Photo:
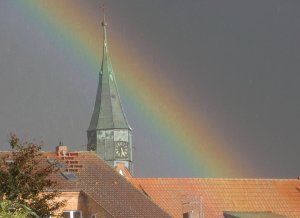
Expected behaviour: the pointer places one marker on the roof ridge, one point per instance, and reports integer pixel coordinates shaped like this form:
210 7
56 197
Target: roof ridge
50 151
227 179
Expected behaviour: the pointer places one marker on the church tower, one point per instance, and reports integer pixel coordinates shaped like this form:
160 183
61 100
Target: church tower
109 133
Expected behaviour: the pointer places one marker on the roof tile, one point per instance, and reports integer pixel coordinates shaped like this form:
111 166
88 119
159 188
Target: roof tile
279 196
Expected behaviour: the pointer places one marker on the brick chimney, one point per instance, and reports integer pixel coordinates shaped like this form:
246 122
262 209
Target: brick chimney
192 206
61 150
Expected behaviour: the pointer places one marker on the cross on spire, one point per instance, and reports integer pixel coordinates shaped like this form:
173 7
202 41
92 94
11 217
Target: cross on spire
103 11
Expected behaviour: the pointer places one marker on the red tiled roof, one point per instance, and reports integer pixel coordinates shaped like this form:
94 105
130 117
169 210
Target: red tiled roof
103 184
280 196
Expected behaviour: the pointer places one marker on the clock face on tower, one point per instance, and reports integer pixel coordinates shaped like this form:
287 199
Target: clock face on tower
121 149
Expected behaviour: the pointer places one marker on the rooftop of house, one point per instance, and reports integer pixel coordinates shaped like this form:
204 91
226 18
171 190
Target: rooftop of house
122 195
212 197
85 171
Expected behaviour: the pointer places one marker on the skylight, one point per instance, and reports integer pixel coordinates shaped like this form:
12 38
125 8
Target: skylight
56 163
69 175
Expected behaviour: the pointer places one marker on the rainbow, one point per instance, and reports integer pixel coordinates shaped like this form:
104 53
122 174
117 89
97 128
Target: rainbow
73 24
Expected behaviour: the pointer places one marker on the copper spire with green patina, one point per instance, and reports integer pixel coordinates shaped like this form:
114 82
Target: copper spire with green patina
108 112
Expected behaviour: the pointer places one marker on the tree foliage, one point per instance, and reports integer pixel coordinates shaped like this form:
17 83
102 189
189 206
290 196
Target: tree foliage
10 209
25 178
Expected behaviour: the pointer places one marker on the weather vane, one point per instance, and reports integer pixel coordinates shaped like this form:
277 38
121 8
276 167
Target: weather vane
103 11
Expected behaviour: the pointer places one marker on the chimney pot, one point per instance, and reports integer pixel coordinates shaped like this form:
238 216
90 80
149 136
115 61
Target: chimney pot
61 150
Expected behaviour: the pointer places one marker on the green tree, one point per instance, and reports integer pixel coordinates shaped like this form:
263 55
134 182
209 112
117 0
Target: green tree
25 178
10 209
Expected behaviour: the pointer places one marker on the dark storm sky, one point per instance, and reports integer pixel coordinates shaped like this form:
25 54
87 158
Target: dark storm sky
237 62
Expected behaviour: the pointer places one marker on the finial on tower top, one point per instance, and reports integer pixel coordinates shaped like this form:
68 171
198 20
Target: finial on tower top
103 11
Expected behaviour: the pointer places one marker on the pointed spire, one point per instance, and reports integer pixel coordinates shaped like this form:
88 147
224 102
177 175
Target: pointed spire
108 111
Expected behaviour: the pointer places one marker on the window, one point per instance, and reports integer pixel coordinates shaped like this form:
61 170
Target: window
9 161
94 216
72 214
